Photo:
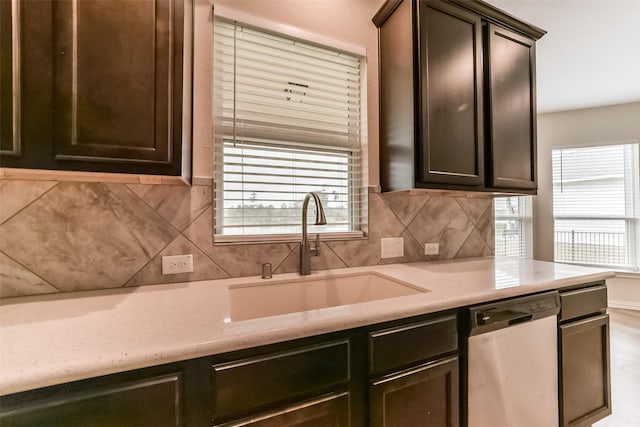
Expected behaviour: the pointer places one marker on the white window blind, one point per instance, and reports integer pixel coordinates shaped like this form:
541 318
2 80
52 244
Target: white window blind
287 117
513 226
595 204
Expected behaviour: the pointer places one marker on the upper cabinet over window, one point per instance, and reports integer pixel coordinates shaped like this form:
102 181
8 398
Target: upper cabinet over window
457 97
95 85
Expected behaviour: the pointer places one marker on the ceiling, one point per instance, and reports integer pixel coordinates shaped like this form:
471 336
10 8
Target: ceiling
590 55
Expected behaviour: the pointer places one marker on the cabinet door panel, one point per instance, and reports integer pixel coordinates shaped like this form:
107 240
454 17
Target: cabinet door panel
151 402
9 98
511 71
426 396
585 378
329 411
451 95
276 377
115 73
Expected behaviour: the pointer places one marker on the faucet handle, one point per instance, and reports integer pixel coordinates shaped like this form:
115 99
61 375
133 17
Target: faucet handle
316 250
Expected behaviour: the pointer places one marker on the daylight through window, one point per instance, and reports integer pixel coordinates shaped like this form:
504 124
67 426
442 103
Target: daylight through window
287 117
596 205
513 226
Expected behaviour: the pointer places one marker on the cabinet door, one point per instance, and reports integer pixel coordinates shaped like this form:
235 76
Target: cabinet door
9 99
585 395
328 411
426 396
512 109
451 126
100 85
155 401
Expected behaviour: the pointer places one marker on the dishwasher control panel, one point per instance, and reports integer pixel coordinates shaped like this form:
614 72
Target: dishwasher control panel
504 313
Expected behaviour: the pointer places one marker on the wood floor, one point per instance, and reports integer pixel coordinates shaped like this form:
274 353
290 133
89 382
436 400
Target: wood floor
625 369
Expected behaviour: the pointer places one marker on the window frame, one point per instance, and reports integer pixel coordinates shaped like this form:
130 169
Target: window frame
358 192
525 225
632 222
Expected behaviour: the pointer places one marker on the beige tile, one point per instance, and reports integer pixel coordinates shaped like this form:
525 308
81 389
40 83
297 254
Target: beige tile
474 246
442 221
475 207
15 280
413 251
382 223
327 260
16 194
180 205
203 267
238 260
405 204
486 227
85 235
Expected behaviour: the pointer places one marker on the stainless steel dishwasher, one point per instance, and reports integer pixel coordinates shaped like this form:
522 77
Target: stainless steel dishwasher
513 363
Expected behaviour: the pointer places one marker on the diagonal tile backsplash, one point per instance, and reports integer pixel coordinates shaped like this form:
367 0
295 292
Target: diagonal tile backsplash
70 236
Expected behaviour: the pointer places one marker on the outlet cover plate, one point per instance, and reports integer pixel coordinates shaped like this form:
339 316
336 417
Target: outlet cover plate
392 247
177 264
431 248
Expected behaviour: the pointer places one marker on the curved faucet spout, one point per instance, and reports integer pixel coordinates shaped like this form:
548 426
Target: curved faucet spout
306 252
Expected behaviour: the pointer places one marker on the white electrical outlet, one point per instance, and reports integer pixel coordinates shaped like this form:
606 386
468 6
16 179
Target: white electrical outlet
392 247
431 248
177 264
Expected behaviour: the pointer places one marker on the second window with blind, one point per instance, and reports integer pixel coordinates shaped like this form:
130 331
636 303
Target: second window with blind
287 121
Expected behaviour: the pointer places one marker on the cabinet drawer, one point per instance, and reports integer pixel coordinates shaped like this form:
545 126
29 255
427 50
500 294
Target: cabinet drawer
327 411
155 401
402 345
258 381
582 302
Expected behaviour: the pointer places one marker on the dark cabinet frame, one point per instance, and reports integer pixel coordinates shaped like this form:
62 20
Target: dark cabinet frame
63 116
584 356
414 149
445 408
511 129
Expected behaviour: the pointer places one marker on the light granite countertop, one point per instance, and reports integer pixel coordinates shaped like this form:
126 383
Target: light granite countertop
52 339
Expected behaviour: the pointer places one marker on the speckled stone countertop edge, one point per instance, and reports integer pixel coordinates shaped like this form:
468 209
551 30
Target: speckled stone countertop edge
53 339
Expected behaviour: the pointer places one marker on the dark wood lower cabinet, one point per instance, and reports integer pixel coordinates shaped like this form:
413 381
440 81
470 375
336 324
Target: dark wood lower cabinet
155 401
348 378
585 371
326 411
424 396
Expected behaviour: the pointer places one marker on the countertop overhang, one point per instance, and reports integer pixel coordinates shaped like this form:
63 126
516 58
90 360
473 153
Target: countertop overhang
53 339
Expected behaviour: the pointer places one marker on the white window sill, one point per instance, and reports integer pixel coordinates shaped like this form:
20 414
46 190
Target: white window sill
219 239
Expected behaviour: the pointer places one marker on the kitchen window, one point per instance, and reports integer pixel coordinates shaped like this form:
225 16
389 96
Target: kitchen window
513 226
596 197
287 119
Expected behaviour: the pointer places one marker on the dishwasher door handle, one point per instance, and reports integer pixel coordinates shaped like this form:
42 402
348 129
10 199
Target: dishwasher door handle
519 319
503 317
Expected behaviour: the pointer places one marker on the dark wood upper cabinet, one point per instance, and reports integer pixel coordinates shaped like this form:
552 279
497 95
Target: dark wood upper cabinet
457 97
101 85
9 101
511 109
450 72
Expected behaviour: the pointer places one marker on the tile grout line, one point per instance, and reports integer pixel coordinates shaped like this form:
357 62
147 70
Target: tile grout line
32 272
30 203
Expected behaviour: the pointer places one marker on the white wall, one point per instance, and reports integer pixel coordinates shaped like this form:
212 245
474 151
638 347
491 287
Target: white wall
346 20
573 128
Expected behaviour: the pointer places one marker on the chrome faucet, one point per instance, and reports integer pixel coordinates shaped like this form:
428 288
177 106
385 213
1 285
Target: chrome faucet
306 251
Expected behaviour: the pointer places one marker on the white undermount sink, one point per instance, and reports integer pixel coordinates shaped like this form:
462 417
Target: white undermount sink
273 297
